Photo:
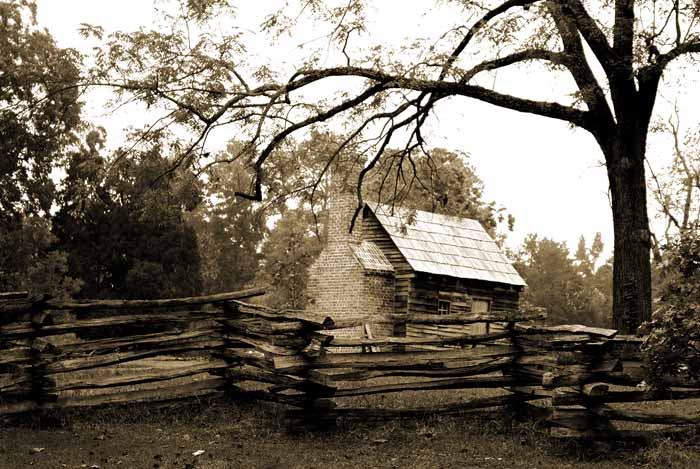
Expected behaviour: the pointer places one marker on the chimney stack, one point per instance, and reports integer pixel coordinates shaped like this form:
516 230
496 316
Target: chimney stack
342 205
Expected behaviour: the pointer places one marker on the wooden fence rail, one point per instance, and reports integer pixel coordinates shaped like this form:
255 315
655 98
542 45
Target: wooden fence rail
63 354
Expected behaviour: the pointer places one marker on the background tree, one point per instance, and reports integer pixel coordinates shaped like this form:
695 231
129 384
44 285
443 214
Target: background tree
208 81
676 189
572 291
39 118
287 254
122 223
671 346
229 231
441 182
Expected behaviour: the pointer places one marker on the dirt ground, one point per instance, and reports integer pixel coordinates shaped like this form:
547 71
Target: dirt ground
218 433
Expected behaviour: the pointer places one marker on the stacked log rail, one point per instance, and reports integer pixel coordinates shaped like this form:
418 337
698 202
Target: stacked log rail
570 376
66 354
454 362
585 372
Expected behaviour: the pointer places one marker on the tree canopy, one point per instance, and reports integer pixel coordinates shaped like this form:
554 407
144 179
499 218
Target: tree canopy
40 116
613 54
572 290
122 223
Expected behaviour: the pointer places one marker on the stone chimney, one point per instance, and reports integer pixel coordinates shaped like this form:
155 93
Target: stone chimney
341 208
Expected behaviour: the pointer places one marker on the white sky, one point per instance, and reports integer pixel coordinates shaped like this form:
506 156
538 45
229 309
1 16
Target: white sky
548 176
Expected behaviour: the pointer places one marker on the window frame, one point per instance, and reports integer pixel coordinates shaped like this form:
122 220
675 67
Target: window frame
440 310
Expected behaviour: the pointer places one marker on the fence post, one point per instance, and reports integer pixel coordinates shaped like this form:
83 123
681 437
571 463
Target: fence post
572 391
229 311
515 407
43 388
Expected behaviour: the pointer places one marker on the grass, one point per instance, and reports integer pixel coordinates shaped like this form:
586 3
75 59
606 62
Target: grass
252 434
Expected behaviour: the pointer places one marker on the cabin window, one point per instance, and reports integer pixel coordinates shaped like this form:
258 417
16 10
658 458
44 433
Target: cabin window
443 307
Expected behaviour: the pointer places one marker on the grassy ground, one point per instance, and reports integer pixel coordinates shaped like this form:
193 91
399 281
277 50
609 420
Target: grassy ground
247 434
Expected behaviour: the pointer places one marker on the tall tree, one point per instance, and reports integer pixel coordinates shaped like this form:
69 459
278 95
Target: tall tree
229 231
676 189
208 81
571 290
121 220
287 254
39 118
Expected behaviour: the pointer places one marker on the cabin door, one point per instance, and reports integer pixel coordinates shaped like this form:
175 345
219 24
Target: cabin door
480 307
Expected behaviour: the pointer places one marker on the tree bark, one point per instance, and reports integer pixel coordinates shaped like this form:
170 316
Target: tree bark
631 265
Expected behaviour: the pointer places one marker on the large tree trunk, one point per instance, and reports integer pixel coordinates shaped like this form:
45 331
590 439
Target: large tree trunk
631 265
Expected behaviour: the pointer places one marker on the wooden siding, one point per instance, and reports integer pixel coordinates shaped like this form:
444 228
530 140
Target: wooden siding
373 231
418 292
427 289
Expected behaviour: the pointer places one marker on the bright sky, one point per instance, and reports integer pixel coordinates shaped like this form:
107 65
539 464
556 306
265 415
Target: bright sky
548 176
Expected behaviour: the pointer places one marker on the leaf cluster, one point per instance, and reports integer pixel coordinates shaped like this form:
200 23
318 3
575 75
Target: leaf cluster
672 346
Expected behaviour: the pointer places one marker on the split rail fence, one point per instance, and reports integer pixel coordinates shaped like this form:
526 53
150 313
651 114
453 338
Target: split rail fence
65 354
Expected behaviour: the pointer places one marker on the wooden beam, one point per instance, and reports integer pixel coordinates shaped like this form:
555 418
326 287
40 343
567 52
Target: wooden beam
135 304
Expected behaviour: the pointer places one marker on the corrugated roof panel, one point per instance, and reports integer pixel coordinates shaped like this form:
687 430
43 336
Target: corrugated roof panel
372 258
446 245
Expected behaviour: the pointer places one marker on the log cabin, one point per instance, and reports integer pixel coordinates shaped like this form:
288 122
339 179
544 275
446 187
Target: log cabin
408 262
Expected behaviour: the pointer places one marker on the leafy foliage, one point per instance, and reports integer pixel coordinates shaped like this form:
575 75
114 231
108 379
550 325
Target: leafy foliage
229 231
27 261
672 346
287 255
39 111
121 222
39 118
572 291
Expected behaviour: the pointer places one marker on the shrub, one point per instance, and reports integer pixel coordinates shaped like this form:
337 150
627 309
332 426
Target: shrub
673 343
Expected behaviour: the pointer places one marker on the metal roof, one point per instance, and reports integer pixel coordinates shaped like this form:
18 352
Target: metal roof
372 258
445 245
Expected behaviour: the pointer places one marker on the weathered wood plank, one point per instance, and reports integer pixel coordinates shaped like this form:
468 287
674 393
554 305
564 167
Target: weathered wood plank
385 360
568 328
567 398
448 409
15 331
643 417
450 383
135 304
155 340
144 376
462 339
13 295
85 363
333 376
